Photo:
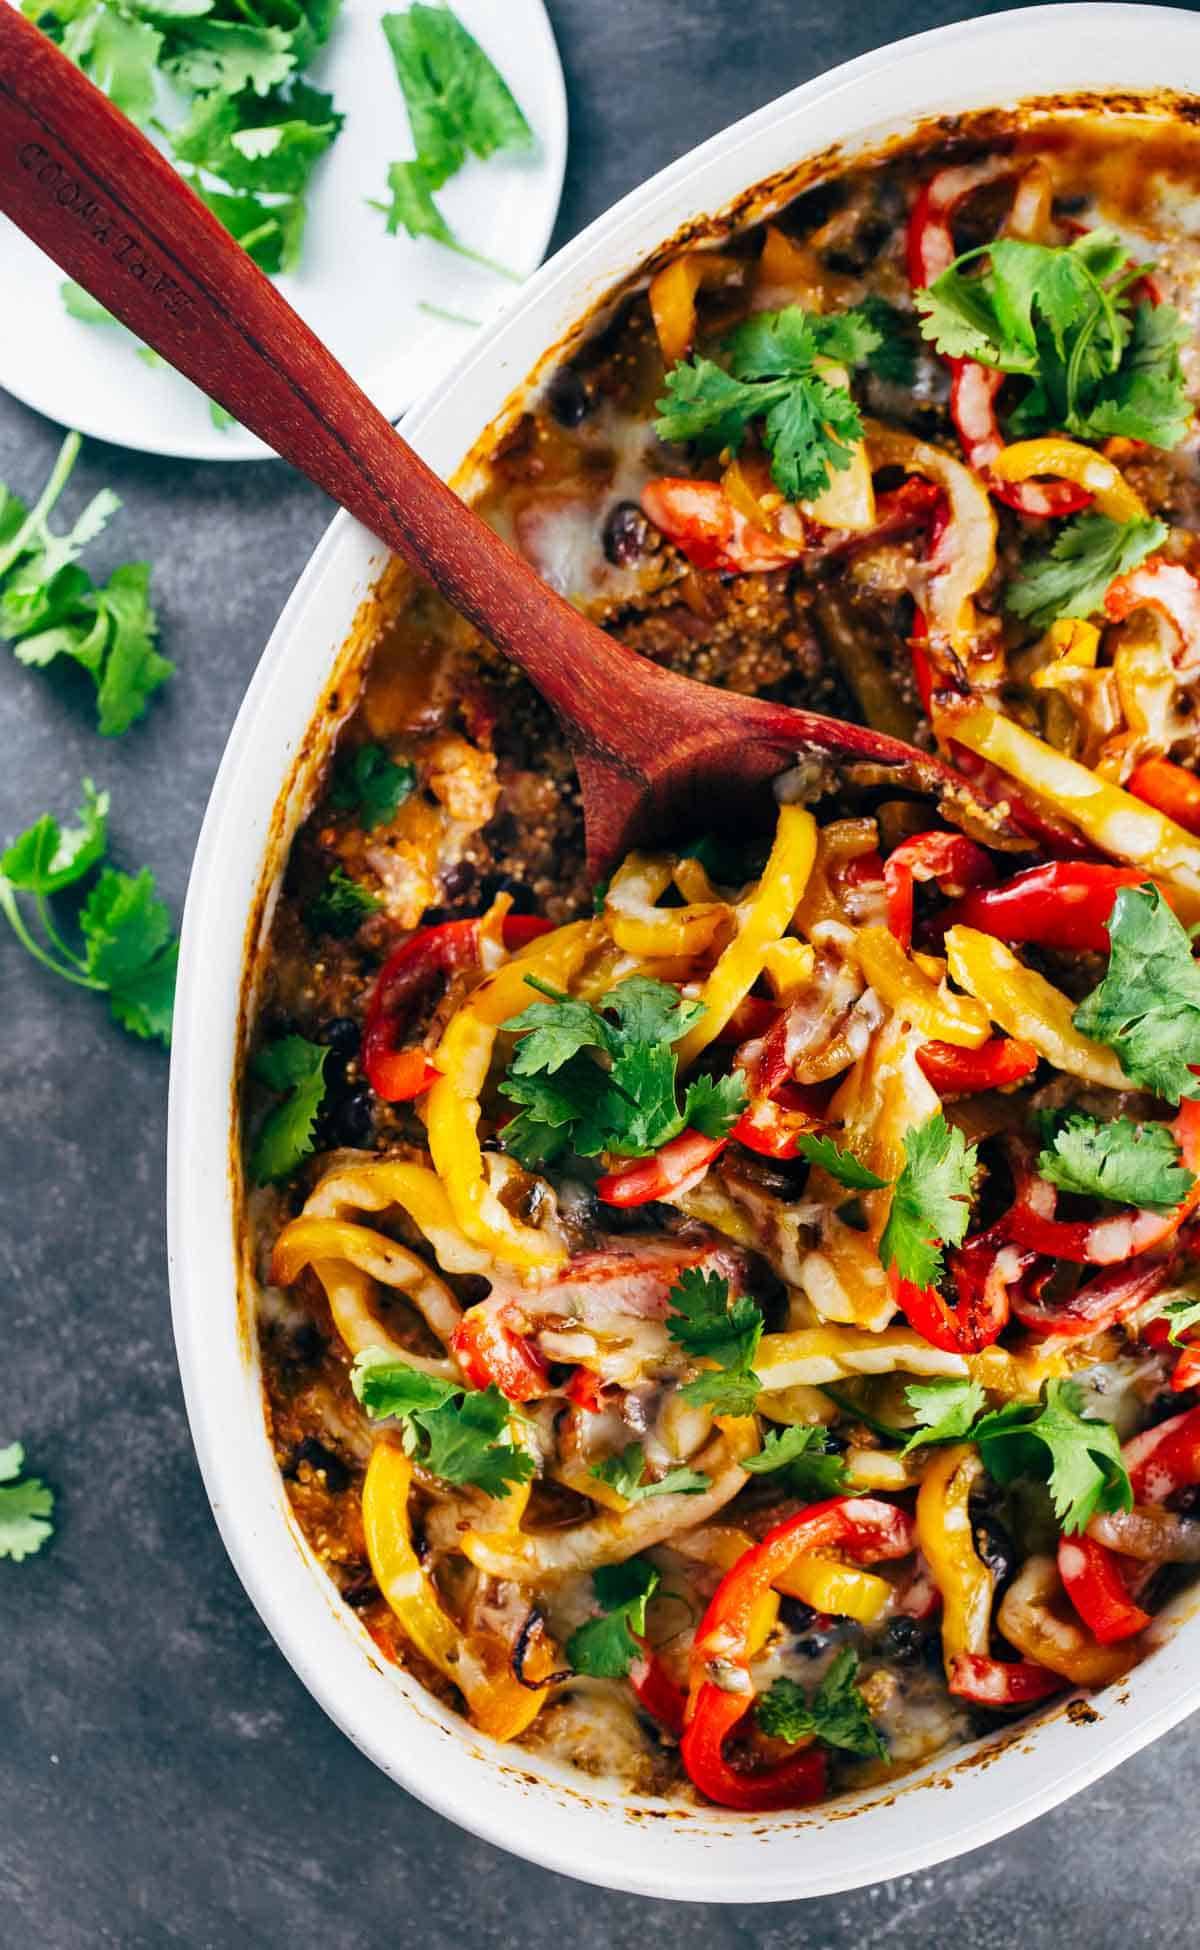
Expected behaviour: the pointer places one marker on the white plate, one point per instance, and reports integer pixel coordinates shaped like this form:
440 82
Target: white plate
358 288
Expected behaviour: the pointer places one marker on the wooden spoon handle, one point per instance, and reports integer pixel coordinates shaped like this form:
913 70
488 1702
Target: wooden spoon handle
99 199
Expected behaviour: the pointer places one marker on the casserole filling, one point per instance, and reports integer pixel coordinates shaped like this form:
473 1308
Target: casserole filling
732 1327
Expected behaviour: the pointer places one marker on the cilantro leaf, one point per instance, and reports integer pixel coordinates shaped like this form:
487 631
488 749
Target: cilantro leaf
294 1066
458 102
629 1107
262 144
1072 577
836 1713
1147 1008
26 1506
47 857
1078 1456
49 606
1059 315
452 1431
840 1164
810 424
708 1327
129 950
945 1410
623 1473
605 1647
203 54
80 304
1182 1314
373 785
894 355
271 233
931 1201
812 1468
714 1104
1132 1164
413 209
341 906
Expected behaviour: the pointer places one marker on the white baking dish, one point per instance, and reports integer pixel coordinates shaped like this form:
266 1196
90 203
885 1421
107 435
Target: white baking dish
513 1799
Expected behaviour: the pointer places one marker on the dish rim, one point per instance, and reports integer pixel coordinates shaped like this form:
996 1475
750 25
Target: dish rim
628 1843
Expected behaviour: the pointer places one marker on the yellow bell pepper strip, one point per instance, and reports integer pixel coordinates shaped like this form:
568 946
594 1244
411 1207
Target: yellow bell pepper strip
902 987
1037 1617
762 919
816 1355
641 928
788 967
498 1704
373 1186
673 292
947 1543
464 1057
1113 820
1029 1007
309 1242
1067 460
722 1689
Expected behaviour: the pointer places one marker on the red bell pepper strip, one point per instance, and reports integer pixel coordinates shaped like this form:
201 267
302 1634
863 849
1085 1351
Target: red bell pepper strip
583 1389
1053 836
898 511
1173 790
407 977
676 1168
702 521
657 1692
1030 1221
954 861
999 1682
1091 1576
982 1275
1101 1302
973 388
1061 904
956 1072
773 1125
922 669
867 1529
488 1351
1164 1459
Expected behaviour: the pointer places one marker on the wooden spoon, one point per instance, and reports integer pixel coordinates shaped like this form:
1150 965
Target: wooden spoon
657 754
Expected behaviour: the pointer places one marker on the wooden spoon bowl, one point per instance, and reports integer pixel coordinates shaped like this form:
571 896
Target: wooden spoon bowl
657 754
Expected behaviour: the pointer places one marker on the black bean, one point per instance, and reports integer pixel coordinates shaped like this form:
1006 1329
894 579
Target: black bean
904 1641
994 1545
627 534
458 879
341 1033
320 1460
348 1120
796 1615
568 398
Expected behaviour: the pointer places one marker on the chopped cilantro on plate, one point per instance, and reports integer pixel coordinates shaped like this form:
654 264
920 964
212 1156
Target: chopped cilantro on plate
26 1507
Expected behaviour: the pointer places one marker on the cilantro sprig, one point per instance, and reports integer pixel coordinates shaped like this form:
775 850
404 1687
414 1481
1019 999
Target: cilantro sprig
128 951
945 1410
26 1507
295 1069
931 1202
625 1471
605 1647
459 105
1064 318
777 376
1077 1456
452 1431
592 1080
802 1455
253 131
1072 576
1128 1163
1147 1008
836 1712
840 1164
51 608
711 1327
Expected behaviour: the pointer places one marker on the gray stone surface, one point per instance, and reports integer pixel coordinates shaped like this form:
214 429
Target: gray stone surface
164 1778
